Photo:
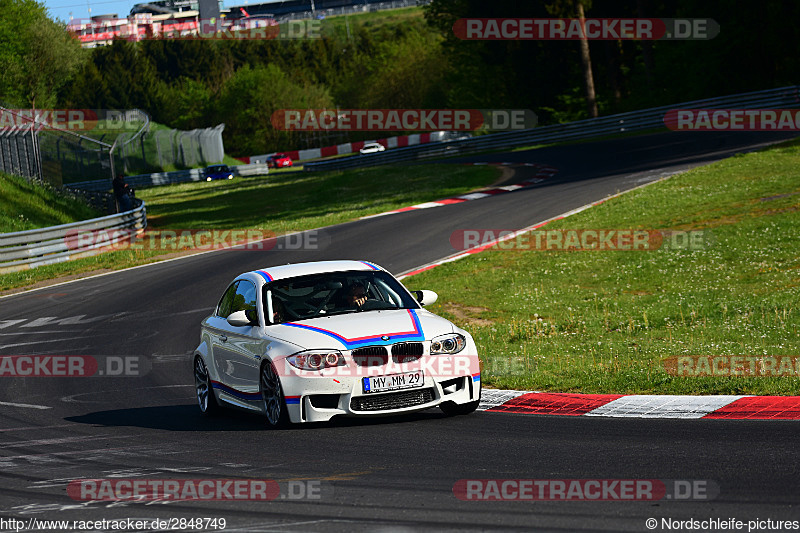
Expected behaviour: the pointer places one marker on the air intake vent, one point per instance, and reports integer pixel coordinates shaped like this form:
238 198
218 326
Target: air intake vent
370 356
395 400
407 352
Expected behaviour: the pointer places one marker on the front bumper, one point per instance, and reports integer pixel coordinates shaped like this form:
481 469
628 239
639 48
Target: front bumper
339 391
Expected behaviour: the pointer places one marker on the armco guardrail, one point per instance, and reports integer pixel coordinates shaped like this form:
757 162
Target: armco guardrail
169 178
33 248
579 130
254 169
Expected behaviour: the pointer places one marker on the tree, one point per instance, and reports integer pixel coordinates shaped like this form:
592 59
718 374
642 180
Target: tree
37 55
586 63
249 99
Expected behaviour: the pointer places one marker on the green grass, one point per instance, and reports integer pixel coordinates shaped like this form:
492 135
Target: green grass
285 202
338 23
279 203
603 321
24 206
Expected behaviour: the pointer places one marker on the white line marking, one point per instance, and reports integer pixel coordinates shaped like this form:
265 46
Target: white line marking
35 427
47 442
4 346
494 397
26 405
47 332
474 196
662 406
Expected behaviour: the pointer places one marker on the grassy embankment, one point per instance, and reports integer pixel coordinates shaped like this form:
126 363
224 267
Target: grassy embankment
603 321
25 206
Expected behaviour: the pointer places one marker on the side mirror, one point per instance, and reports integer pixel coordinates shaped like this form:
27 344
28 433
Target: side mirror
426 297
239 319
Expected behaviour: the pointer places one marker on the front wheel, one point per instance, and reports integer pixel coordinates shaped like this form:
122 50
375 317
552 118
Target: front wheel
205 394
272 395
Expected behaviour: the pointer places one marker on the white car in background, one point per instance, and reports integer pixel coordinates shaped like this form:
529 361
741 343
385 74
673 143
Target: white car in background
309 341
371 148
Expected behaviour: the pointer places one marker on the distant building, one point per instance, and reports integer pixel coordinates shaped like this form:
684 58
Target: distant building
186 18
102 30
160 7
287 8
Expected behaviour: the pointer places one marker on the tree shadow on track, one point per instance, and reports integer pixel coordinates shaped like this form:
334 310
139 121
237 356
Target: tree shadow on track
188 418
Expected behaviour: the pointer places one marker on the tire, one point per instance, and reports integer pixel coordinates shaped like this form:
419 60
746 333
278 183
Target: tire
272 394
203 389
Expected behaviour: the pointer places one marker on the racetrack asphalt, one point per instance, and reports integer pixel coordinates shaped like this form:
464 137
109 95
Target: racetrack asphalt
393 474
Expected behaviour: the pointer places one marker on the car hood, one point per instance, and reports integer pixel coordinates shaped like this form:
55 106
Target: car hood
368 328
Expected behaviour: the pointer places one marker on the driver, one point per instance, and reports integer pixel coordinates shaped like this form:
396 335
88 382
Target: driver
356 294
278 311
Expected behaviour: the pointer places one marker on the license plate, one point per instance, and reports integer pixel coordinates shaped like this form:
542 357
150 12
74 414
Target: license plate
407 380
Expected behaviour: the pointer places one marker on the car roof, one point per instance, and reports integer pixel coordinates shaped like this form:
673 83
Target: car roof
305 269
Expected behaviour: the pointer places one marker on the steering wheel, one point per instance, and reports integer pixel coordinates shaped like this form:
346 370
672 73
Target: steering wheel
374 305
321 306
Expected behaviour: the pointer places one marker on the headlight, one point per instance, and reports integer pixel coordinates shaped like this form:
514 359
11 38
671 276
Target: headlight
316 359
448 344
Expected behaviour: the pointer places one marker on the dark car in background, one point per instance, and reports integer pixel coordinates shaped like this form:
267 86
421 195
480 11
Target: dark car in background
218 172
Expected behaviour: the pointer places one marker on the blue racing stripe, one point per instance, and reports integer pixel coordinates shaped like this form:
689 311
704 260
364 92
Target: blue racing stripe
250 396
264 275
373 267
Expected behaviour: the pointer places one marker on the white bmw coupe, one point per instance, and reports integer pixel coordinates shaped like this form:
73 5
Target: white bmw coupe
309 341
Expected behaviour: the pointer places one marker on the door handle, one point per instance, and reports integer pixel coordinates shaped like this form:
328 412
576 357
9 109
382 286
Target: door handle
223 338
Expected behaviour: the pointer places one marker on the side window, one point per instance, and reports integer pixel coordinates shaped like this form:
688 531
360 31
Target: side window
245 300
224 306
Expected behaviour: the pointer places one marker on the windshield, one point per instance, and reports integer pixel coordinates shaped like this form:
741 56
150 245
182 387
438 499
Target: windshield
335 293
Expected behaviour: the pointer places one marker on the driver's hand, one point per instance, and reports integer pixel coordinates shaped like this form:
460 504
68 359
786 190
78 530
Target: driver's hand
360 301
